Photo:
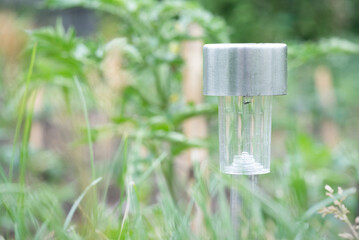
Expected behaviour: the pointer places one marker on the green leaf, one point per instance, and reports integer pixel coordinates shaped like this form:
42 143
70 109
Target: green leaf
176 138
77 202
192 111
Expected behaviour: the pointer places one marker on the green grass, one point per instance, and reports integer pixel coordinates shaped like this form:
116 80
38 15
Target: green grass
71 191
22 110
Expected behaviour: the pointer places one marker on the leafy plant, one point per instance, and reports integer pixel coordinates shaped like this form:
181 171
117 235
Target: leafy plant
144 111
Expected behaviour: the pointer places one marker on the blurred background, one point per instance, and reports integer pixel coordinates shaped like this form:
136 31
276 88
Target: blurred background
105 134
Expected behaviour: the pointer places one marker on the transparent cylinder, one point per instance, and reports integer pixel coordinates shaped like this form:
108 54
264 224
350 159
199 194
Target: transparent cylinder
245 134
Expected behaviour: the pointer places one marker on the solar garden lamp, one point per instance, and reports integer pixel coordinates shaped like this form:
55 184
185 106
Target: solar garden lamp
245 77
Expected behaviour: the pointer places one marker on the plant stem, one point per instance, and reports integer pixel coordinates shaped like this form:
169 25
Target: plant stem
346 220
22 111
161 93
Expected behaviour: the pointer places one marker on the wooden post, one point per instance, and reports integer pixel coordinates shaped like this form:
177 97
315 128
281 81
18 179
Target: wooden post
195 127
326 96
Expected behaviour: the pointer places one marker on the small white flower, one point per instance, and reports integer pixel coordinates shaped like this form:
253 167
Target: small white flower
340 190
328 188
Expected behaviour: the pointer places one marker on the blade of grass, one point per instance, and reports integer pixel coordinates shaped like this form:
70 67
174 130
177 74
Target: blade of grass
273 208
24 155
127 209
89 135
40 234
77 202
3 175
10 188
201 197
94 203
10 211
121 148
25 140
171 212
153 166
21 111
17 234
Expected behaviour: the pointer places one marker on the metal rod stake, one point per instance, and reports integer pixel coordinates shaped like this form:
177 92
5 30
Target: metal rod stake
239 210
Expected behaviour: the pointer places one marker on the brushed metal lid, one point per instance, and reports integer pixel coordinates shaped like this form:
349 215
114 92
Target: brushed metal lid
245 69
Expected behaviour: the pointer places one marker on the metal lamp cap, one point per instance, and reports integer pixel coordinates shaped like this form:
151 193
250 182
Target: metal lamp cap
245 69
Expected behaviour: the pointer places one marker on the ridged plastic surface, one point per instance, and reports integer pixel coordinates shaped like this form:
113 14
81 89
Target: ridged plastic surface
245 134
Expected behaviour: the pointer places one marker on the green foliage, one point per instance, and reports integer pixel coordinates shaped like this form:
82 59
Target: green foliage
146 119
62 53
277 20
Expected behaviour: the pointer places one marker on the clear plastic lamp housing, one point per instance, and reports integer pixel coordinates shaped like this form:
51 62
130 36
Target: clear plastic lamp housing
245 134
245 76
